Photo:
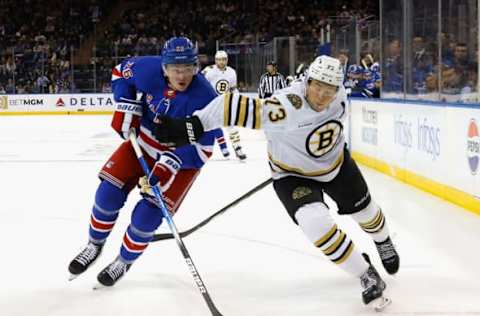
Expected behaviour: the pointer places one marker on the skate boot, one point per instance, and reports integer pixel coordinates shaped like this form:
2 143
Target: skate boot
113 272
389 256
239 153
225 153
373 286
84 259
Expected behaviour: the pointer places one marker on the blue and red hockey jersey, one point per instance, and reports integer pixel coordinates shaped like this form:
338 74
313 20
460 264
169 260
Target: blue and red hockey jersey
144 76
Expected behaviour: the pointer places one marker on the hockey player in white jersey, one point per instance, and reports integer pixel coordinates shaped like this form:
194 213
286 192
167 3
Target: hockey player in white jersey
223 78
304 126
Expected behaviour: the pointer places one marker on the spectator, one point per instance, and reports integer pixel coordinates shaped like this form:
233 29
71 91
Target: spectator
9 87
344 60
393 75
42 83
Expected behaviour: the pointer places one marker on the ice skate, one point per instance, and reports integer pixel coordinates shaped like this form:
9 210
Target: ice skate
388 255
84 260
112 273
374 286
225 153
240 154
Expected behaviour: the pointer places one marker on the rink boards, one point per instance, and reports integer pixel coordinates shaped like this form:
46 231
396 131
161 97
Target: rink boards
433 146
51 104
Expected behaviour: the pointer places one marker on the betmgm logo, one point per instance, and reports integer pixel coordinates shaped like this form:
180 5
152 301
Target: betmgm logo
324 138
3 102
473 146
222 86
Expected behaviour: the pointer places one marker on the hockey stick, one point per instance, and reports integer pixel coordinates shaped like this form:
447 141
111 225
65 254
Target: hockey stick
191 267
158 237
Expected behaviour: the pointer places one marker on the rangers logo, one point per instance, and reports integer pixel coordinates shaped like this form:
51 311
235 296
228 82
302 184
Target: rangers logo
323 139
473 146
295 100
222 86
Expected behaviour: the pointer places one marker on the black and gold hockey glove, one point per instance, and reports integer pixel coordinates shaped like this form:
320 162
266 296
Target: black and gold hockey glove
180 131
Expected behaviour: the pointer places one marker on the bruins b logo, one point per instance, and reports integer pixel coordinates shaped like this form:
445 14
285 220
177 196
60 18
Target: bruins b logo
222 86
322 139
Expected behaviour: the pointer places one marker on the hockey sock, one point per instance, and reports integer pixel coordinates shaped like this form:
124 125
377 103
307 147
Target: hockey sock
318 225
234 137
372 221
220 137
222 143
146 218
109 199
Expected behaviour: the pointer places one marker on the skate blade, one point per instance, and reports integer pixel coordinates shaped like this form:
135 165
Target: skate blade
73 277
380 303
99 287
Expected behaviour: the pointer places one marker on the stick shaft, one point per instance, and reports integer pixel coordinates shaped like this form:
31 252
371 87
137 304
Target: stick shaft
191 266
158 237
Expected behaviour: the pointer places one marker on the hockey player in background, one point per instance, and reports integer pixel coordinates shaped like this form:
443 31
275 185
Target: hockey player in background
303 125
169 85
223 79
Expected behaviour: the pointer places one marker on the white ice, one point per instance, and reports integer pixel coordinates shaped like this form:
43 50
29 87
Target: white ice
253 259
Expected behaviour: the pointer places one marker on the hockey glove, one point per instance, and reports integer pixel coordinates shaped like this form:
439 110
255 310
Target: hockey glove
179 131
164 171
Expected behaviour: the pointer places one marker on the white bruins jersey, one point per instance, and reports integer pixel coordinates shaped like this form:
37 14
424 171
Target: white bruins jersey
301 141
222 81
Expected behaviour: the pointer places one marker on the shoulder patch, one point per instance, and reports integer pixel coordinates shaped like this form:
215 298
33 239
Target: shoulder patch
127 72
295 100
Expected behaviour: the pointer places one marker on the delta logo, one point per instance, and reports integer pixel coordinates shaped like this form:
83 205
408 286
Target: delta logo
60 102
473 146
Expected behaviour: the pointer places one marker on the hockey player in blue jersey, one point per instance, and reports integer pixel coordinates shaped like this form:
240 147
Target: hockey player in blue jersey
364 83
169 85
372 82
355 80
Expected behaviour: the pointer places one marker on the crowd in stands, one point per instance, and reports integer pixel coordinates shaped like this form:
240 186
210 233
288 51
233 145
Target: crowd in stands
457 69
37 53
37 41
144 28
40 40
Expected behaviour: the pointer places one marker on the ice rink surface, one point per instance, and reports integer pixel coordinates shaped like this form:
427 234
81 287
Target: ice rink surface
253 259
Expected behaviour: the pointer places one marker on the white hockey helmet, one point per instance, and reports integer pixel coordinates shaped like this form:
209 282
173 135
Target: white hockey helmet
221 54
326 69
